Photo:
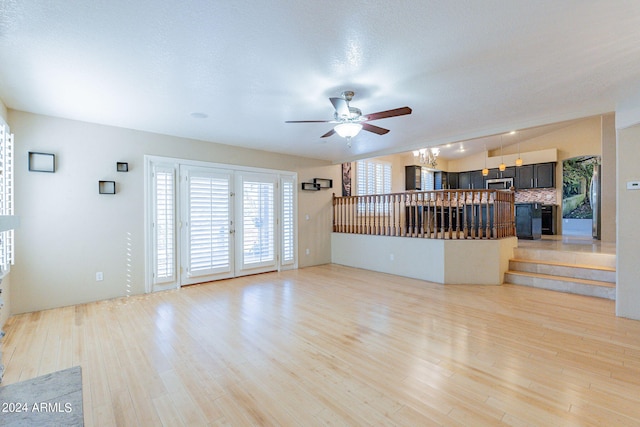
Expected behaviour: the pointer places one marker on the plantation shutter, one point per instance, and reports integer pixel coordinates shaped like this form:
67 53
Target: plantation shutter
6 196
164 216
288 221
258 239
427 179
373 177
208 223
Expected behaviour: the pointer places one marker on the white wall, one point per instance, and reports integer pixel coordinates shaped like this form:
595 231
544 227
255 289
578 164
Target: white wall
404 256
69 232
315 213
478 262
628 231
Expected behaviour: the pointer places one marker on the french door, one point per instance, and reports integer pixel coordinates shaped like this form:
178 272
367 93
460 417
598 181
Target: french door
256 228
207 220
207 223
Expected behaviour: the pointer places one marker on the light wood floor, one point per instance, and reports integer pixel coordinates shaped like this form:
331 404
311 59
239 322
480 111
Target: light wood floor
340 346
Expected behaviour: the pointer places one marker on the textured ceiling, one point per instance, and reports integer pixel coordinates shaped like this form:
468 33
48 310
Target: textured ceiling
466 68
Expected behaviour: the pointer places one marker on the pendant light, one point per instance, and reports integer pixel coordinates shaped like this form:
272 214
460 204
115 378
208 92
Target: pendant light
502 166
519 159
485 171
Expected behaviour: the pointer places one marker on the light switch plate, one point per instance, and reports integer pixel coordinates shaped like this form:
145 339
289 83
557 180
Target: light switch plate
633 185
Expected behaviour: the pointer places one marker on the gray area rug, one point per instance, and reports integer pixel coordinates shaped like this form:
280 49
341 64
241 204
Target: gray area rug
50 400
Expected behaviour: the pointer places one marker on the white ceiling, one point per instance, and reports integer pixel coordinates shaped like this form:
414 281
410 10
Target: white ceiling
467 68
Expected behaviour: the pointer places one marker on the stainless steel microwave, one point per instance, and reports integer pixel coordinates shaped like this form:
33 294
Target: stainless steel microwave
499 184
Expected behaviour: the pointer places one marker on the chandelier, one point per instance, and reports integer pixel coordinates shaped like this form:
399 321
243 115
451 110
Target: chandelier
427 156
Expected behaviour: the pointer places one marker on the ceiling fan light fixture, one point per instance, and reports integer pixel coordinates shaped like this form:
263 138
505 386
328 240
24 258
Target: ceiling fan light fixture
348 130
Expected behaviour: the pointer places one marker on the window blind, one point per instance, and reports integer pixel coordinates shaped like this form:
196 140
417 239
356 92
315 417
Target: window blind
164 224
374 177
288 221
209 209
258 240
6 195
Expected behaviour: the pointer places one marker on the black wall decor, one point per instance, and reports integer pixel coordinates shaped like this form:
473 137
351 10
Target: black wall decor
323 182
122 167
107 187
310 186
346 179
42 162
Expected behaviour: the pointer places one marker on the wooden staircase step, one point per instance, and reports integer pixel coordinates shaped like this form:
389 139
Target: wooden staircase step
594 288
569 257
564 278
565 264
577 272
557 268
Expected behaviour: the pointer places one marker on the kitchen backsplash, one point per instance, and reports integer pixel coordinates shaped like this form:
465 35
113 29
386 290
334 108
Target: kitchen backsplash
546 196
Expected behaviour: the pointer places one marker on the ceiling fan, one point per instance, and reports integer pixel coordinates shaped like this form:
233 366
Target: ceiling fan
350 121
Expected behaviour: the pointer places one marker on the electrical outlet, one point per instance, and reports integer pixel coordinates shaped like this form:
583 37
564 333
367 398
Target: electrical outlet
307 251
99 276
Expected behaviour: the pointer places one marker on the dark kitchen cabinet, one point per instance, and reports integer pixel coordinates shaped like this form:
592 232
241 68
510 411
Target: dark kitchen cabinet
542 175
528 220
464 180
495 173
477 180
470 180
524 177
509 172
545 175
549 213
452 180
445 180
412 175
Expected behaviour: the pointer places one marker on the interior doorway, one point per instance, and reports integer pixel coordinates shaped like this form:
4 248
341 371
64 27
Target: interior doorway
581 197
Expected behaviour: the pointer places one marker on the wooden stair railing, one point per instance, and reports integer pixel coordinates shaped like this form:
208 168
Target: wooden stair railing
438 214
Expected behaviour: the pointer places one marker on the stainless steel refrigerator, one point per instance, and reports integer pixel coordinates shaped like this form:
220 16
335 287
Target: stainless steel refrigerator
595 200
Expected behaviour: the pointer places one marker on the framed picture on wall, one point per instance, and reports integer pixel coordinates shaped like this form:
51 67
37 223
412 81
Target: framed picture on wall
346 179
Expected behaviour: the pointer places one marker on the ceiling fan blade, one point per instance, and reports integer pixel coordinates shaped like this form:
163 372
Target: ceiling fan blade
331 132
308 121
341 106
389 113
374 129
